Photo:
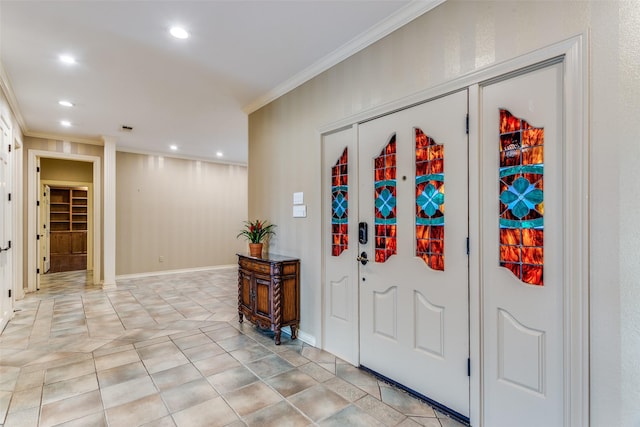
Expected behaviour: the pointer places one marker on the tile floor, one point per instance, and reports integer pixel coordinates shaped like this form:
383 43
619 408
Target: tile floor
169 351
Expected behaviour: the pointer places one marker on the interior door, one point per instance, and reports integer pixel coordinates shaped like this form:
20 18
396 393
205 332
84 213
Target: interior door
413 194
45 232
6 281
521 249
340 230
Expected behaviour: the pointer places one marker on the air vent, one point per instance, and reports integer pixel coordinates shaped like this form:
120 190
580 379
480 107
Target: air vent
126 128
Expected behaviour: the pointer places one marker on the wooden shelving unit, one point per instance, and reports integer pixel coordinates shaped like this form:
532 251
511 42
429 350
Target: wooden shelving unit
68 222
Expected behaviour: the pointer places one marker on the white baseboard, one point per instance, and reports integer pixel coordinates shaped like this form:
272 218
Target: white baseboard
184 270
307 338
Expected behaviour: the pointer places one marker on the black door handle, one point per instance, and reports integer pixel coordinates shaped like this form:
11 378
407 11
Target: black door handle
363 258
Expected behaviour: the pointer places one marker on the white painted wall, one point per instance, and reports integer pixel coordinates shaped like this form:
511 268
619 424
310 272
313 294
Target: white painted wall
457 38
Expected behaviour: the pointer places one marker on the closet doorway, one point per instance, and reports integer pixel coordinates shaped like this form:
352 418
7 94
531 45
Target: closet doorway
65 216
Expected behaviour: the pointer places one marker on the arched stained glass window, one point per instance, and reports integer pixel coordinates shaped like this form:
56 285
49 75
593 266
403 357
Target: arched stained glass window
385 201
429 201
521 198
340 204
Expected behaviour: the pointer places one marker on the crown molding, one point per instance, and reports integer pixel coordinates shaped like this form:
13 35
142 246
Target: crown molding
7 90
398 19
57 137
178 156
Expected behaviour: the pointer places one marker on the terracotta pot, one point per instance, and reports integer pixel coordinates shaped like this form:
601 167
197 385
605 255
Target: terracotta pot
255 249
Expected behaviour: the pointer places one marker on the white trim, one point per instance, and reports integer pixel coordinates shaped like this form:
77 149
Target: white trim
574 52
17 199
177 156
475 296
7 89
478 76
396 20
183 270
32 192
306 338
109 211
61 137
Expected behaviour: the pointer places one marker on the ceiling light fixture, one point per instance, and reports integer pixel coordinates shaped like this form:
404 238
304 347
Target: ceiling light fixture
173 147
179 32
67 59
65 123
65 103
219 153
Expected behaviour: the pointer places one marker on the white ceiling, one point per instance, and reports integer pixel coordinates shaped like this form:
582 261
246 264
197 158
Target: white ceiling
193 93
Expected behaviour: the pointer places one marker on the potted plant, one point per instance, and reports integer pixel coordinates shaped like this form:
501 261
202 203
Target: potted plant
256 232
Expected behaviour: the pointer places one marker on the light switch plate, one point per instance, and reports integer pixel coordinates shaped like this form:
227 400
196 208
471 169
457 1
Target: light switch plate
300 211
298 198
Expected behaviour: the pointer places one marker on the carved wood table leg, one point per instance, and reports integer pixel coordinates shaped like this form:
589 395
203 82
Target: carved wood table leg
277 337
294 332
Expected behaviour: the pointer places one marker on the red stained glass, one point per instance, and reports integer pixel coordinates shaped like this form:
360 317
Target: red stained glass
521 205
339 205
429 159
385 202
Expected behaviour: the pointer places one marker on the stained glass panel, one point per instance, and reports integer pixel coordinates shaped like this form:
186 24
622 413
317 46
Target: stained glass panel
340 205
385 201
521 198
429 201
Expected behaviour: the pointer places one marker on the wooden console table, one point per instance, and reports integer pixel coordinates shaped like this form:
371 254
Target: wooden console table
269 292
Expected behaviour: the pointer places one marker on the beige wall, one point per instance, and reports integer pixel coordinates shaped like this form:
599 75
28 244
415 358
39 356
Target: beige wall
457 38
188 212
66 170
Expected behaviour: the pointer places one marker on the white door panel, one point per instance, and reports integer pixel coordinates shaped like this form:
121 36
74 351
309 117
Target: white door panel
340 245
414 289
521 249
6 282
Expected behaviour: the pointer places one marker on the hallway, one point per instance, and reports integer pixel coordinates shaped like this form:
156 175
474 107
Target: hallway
169 351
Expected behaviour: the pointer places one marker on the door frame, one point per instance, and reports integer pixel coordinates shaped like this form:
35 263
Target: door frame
33 185
574 57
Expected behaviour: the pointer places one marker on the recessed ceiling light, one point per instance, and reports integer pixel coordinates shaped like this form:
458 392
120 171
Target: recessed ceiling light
179 32
173 147
65 103
219 153
65 123
67 59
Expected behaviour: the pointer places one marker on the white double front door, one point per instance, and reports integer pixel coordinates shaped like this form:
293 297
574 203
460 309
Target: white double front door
403 312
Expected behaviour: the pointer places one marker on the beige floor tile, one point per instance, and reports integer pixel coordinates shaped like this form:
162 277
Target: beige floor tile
251 398
128 391
351 416
318 402
169 378
116 359
160 366
65 372
137 412
216 364
232 379
120 374
187 395
212 413
24 418
5 400
69 388
345 389
92 420
203 351
291 382
70 409
380 411
281 414
269 366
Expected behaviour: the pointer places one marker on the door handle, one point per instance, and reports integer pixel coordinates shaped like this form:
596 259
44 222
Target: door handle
7 248
363 258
